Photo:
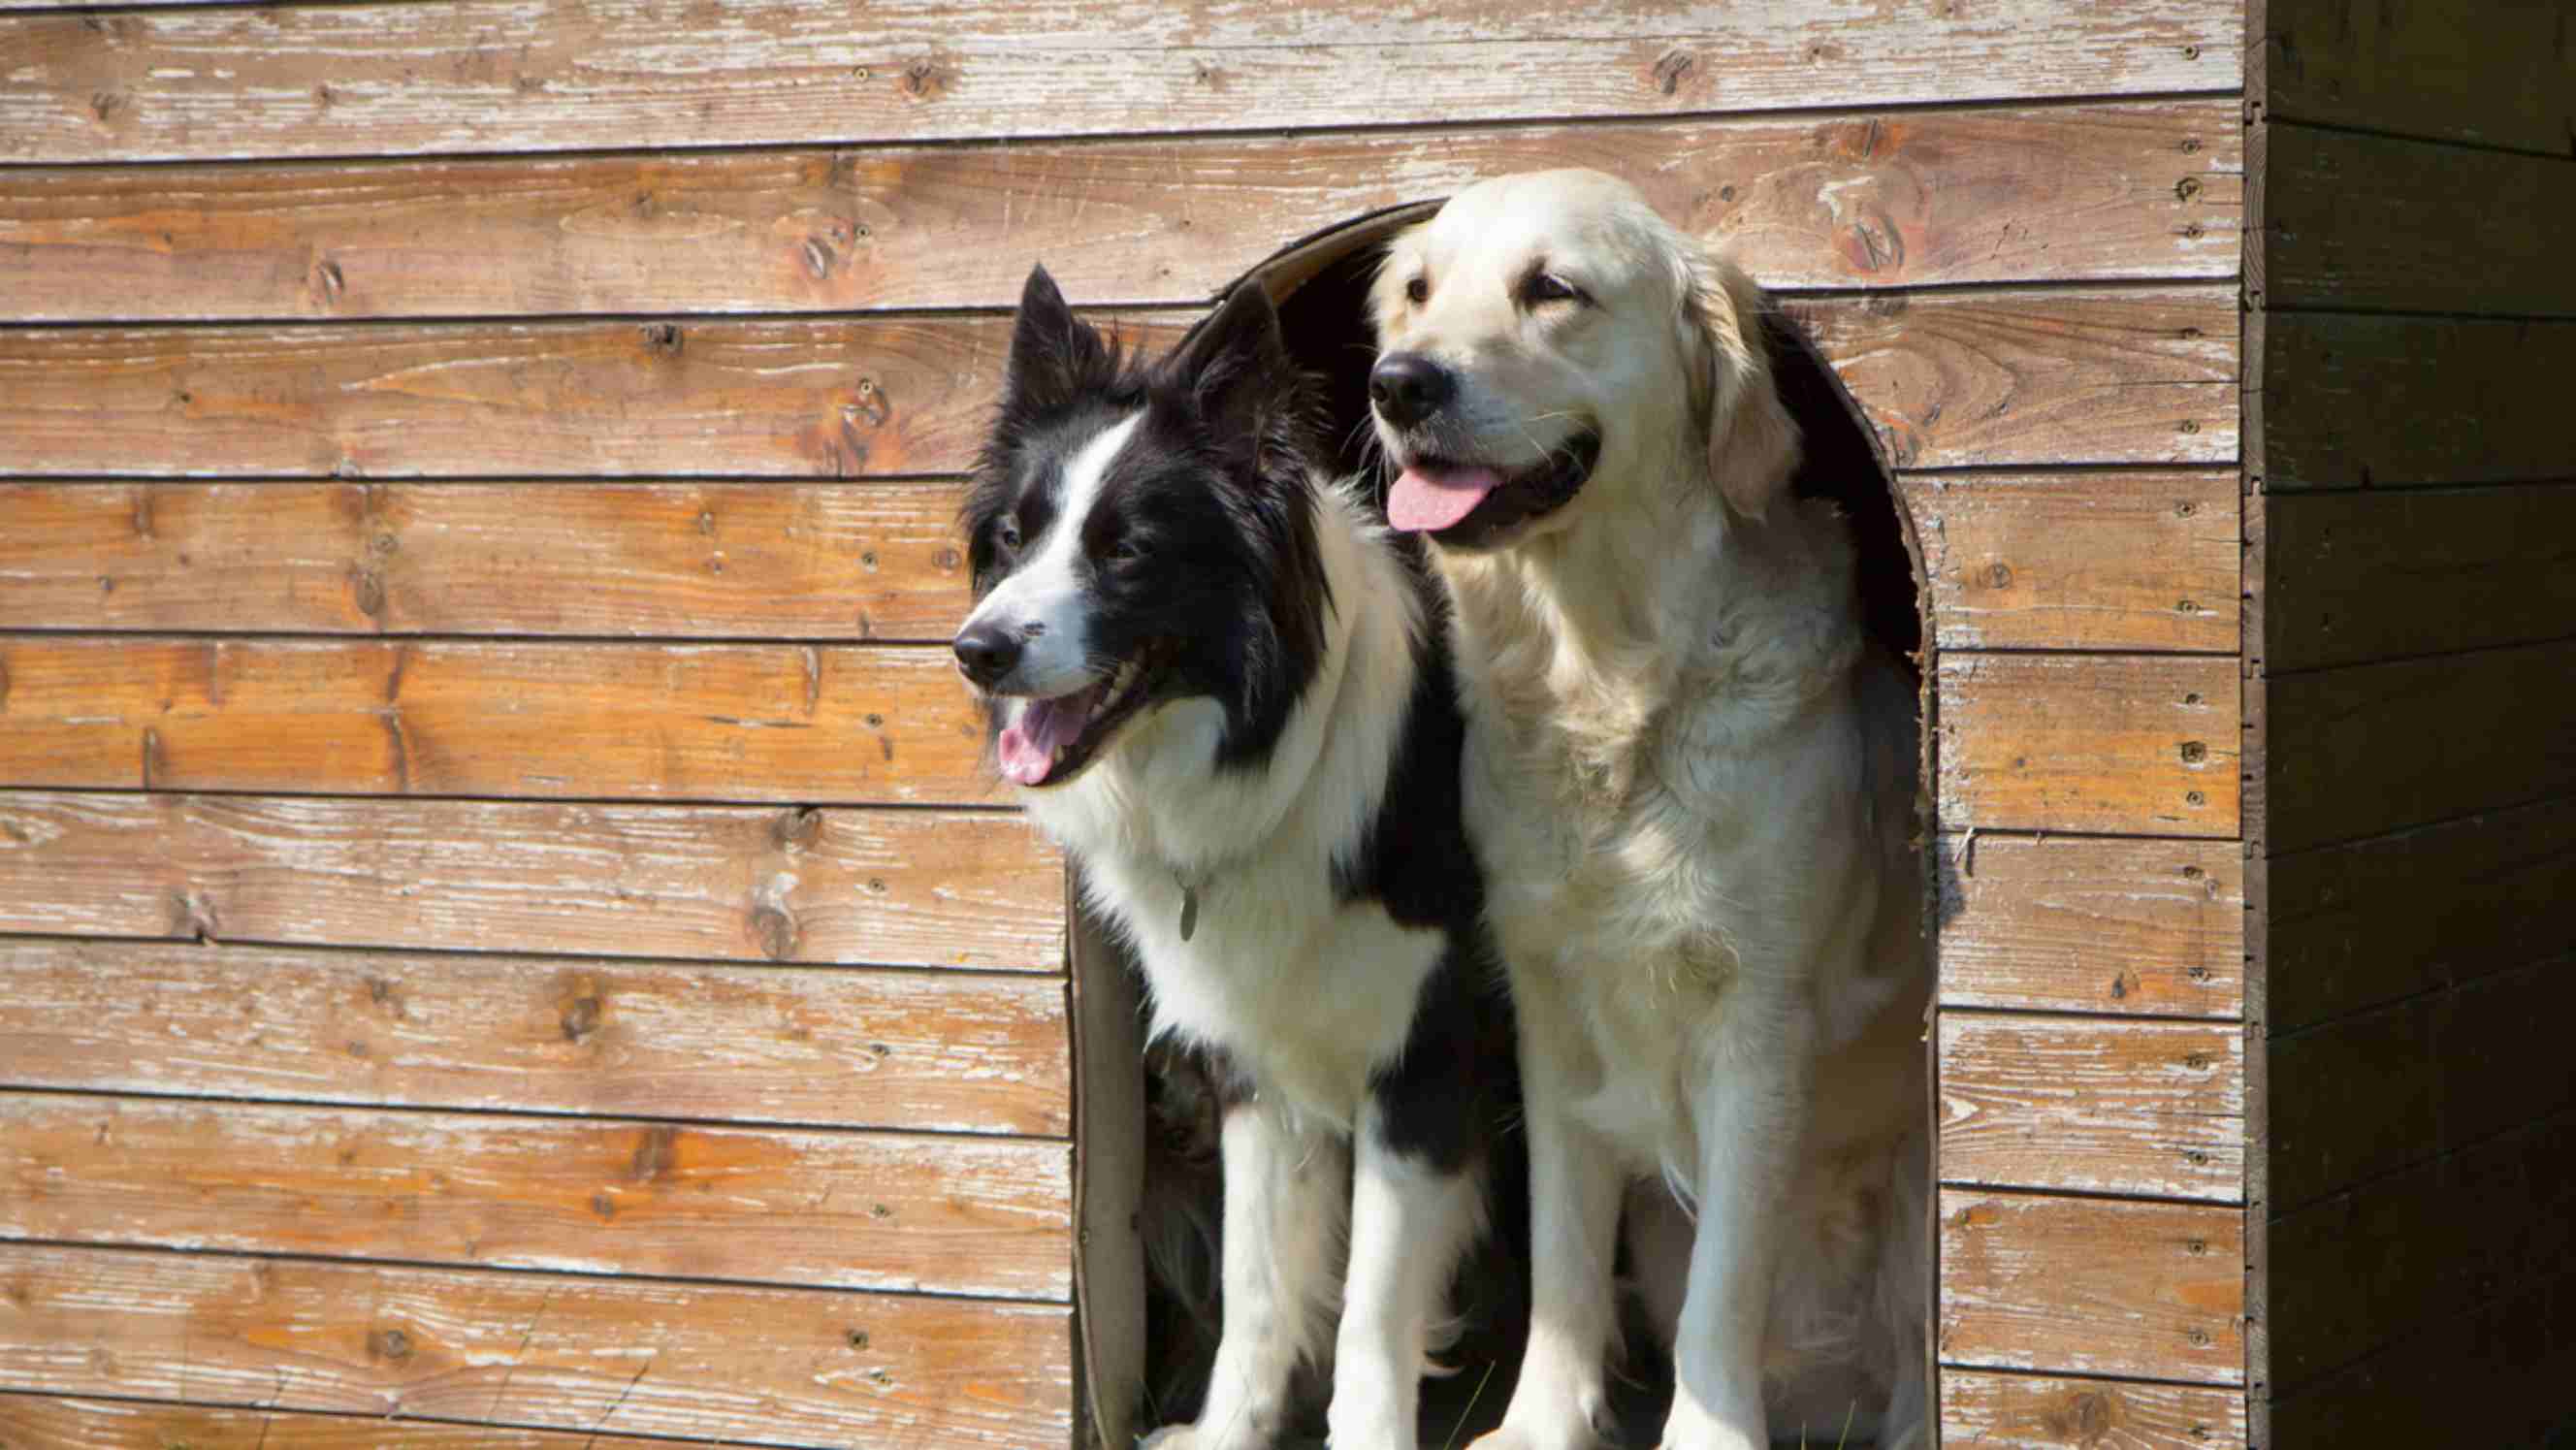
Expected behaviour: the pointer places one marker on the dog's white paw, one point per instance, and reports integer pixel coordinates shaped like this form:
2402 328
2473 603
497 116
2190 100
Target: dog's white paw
1170 1437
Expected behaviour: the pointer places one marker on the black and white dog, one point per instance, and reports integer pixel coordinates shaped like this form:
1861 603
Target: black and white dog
1225 690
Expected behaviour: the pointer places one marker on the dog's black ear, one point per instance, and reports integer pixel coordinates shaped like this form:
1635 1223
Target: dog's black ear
1054 354
1236 365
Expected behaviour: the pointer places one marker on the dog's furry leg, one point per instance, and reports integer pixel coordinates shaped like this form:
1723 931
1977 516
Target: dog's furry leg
1575 1187
1410 1222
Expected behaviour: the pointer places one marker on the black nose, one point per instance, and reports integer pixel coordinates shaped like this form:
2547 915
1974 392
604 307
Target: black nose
1408 387
986 652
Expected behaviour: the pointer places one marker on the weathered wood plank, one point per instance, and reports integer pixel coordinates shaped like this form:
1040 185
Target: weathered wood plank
2146 928
2124 744
2146 191
2480 401
2368 749
2092 1286
695 560
771 1205
2364 1269
2364 924
919 888
2369 1094
2034 1412
2126 561
1958 378
488 75
2381 223
583 721
865 1048
37 1422
2366 576
2093 1106
2500 72
775 1366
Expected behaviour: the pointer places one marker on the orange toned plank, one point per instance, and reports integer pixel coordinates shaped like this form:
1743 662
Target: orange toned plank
2146 190
2092 1286
2147 928
36 1422
486 75
692 560
587 721
775 1366
900 887
2127 561
2121 744
2093 1105
1953 378
879 1049
775 1205
2033 1412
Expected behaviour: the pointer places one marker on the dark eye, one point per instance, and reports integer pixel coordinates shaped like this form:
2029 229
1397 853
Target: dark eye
1548 287
1129 548
1007 534
1418 291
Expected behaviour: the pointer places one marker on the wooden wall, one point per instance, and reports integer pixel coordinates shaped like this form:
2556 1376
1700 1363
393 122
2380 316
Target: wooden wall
2410 663
505 927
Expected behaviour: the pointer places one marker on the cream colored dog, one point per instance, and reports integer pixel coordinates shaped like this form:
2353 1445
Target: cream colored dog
1691 785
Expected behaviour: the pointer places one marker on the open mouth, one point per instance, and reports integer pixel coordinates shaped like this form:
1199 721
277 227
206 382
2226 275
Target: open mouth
1474 505
1051 740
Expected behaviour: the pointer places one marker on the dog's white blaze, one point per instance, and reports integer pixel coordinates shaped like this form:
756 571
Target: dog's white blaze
1051 590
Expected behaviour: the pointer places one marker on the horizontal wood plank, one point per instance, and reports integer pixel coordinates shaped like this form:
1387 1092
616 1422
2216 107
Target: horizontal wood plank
2369 1094
2368 1268
488 75
44 1422
863 1048
2107 561
893 887
773 1366
586 721
2060 924
2126 744
2361 925
943 1214
2368 749
1956 379
2147 191
2354 577
696 560
2092 1286
2383 223
2497 72
2094 1106
2497 1375
2353 401
2035 1412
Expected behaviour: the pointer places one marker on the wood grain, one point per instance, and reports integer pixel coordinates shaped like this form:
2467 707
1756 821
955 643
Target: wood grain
2387 402
2497 72
876 1049
2106 561
2093 1106
2369 1094
2145 928
2092 1286
2382 223
772 1366
833 562
2368 576
2495 1375
2034 1412
586 721
2124 744
770 1205
2365 924
2365 1269
1955 378
2368 749
487 75
916 888
2144 191
36 1422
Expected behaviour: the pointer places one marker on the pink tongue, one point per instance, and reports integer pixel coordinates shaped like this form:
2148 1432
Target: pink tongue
1427 502
1029 744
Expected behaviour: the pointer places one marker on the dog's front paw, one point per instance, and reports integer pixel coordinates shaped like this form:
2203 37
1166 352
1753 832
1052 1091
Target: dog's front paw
1578 1430
1170 1437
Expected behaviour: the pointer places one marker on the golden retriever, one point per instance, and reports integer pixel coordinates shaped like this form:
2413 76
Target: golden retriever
1691 783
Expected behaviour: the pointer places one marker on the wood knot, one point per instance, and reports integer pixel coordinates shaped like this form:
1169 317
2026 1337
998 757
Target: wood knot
819 257
662 338
926 80
797 829
2000 576
655 1154
603 1205
1672 68
368 587
580 1017
776 931
858 1339
391 1345
2091 1414
105 104
329 282
2194 752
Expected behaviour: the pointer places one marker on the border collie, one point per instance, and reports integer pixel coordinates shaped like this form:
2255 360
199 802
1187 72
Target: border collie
1226 692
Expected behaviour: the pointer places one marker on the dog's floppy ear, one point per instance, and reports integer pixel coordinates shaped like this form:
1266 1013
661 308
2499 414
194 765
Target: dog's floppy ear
1236 365
1054 354
1752 440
